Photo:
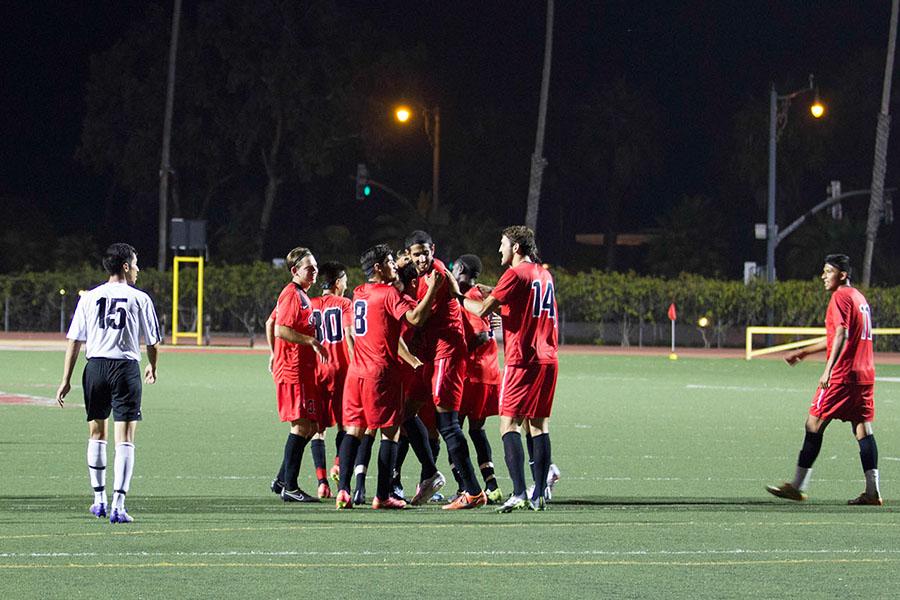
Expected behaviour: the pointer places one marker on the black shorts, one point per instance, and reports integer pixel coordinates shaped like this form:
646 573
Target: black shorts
112 385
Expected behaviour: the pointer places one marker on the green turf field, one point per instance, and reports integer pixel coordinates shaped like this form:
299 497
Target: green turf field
662 496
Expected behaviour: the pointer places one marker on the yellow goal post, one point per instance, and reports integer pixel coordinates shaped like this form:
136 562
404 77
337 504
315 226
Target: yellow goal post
198 333
818 332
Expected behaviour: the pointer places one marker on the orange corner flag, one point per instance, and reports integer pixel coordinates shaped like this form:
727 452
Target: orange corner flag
672 314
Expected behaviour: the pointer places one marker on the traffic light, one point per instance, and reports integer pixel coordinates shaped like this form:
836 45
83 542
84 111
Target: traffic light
363 189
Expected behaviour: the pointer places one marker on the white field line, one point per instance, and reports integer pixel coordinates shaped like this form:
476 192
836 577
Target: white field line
757 389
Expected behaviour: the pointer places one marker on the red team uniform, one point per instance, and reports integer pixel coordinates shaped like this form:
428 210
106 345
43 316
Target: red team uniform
373 389
294 366
481 389
443 345
850 394
527 295
331 315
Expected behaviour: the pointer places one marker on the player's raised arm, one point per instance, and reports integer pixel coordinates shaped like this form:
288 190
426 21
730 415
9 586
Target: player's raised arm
72 350
422 311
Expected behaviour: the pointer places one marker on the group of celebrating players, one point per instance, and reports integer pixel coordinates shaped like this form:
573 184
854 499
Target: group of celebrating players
413 355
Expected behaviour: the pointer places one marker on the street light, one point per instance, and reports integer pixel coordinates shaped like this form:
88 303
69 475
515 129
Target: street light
431 118
776 123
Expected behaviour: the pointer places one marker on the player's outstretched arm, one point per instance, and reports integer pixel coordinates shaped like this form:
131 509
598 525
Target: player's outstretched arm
422 311
795 356
295 337
72 350
150 369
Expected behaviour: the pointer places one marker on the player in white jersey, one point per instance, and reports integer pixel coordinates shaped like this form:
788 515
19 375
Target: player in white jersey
110 320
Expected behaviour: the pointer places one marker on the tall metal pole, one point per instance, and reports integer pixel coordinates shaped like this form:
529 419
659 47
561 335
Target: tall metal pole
879 166
165 165
436 161
771 227
538 162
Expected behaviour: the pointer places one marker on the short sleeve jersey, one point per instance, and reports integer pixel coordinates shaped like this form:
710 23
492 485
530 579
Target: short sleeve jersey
528 298
442 335
378 311
848 308
482 364
294 362
331 315
112 319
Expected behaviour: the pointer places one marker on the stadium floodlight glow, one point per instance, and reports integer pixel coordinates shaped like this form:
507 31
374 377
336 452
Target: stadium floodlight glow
817 109
62 292
703 322
402 114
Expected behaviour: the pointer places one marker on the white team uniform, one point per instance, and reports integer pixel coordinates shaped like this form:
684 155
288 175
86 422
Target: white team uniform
112 318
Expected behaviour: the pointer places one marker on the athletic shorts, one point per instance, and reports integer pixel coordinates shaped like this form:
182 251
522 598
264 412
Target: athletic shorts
527 391
480 400
445 378
298 401
844 401
112 385
373 403
331 392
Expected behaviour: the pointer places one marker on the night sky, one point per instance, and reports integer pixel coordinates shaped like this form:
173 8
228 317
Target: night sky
701 62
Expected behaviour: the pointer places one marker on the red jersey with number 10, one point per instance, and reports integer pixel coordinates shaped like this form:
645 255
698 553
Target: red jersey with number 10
528 298
378 310
848 308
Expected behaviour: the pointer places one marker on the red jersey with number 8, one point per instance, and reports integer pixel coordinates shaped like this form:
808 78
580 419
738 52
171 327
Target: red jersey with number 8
528 298
848 308
378 310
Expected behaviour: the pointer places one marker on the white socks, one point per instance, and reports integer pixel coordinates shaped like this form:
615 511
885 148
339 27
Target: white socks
872 490
123 468
96 460
801 478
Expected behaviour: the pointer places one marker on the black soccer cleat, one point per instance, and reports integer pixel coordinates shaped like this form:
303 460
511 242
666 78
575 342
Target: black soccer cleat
297 495
276 487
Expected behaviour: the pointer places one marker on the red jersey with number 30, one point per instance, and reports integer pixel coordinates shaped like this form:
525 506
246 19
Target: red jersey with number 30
378 311
442 336
331 314
848 308
293 310
528 298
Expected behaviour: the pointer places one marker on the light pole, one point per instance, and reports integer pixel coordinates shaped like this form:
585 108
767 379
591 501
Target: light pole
776 123
431 118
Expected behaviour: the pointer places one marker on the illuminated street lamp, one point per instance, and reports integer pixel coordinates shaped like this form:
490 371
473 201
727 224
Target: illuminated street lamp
431 118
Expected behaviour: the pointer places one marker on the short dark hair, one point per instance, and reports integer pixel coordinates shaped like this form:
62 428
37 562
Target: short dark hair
329 272
117 255
417 237
374 256
295 256
471 265
841 262
524 237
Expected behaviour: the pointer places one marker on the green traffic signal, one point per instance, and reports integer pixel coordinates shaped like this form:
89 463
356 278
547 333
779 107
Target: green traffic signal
367 191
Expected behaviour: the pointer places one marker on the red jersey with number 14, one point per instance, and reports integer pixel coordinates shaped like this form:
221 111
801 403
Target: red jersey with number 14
848 308
528 298
378 310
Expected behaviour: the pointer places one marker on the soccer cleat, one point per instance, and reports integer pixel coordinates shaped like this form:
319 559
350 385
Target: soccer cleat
539 504
494 496
553 477
787 491
390 503
548 495
324 490
120 516
456 496
276 486
335 473
437 498
359 496
342 501
866 500
297 495
513 503
467 500
98 509
428 488
398 492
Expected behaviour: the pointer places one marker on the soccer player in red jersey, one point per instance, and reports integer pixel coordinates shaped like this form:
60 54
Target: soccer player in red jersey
526 298
332 316
481 389
846 387
294 370
444 354
373 389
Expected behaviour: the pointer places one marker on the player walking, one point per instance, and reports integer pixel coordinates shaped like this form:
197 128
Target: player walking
110 320
846 388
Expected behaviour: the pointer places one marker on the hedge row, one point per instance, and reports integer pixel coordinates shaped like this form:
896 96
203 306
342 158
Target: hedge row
240 297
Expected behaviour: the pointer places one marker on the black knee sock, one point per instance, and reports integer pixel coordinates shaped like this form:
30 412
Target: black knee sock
346 458
417 435
293 455
515 461
458 450
541 463
812 443
868 453
435 445
338 440
387 458
361 465
529 443
460 484
483 454
317 448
